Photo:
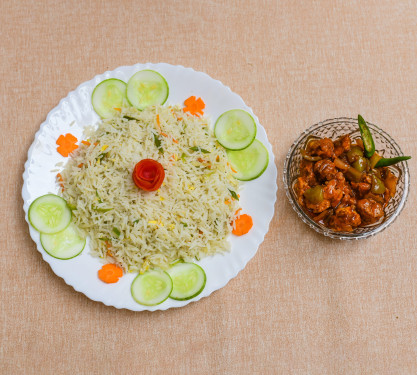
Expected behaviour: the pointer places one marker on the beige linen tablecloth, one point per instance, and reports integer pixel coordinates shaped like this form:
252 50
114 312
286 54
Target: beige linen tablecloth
304 304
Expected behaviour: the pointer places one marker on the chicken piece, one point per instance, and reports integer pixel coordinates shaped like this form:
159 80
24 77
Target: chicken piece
342 145
325 169
341 180
348 200
319 207
346 142
323 216
382 199
321 147
300 187
361 187
332 193
348 194
367 179
345 219
376 197
306 171
370 210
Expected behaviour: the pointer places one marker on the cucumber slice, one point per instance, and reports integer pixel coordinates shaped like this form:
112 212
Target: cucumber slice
151 288
66 244
108 95
235 129
49 214
189 280
146 88
249 163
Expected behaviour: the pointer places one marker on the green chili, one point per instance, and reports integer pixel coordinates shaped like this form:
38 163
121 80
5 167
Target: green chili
158 143
234 195
102 209
386 162
98 198
197 148
129 118
101 156
368 141
71 206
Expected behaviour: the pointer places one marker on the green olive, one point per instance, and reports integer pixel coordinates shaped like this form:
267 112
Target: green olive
354 153
378 186
315 194
360 164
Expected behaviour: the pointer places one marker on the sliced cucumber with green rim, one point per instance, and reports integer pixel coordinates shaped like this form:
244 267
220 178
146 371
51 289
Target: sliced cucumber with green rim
66 244
151 288
235 129
249 163
49 214
189 280
146 88
108 95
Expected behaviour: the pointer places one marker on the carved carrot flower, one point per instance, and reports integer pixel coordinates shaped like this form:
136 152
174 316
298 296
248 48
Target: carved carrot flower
194 106
66 144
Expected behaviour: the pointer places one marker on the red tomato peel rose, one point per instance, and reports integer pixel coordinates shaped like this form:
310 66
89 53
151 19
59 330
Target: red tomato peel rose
148 175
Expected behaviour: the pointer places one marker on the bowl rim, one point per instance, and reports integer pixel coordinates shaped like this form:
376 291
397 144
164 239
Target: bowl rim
320 228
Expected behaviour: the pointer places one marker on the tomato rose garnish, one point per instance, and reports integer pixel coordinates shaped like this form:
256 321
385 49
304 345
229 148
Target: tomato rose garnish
148 175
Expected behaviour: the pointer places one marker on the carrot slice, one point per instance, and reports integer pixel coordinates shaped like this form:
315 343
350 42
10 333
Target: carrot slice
158 123
110 273
242 224
230 166
194 106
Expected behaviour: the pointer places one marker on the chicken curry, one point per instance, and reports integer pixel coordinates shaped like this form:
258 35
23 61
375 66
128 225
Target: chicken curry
344 184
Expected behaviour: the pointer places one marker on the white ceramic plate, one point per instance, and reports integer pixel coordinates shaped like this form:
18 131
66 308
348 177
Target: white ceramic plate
257 196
